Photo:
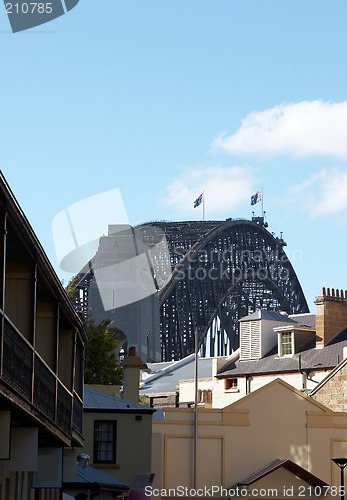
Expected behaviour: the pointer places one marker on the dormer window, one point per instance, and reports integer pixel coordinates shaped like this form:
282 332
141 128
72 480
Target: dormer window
286 345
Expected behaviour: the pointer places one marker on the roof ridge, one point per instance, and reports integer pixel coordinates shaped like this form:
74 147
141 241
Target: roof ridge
287 464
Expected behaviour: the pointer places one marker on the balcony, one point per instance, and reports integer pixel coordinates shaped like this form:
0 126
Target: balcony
24 371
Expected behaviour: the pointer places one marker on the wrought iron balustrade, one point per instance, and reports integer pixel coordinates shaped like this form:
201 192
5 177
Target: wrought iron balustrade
64 409
77 414
44 389
17 362
27 374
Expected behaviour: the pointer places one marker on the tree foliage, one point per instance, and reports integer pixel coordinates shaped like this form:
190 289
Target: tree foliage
70 289
101 365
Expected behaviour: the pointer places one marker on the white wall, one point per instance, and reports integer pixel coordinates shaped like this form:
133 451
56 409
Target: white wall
222 398
187 389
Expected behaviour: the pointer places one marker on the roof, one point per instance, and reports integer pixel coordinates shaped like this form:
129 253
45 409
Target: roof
167 379
98 401
305 319
156 367
287 464
312 358
88 475
269 315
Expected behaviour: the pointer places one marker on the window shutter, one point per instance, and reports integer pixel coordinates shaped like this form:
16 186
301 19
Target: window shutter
250 340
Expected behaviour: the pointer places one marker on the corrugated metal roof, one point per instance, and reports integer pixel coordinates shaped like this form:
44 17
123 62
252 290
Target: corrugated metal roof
156 367
94 400
89 475
311 358
167 381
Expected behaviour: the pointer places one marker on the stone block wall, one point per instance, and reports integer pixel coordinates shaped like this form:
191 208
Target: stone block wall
333 393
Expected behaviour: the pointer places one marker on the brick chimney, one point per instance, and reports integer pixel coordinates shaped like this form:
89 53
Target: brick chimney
131 376
331 314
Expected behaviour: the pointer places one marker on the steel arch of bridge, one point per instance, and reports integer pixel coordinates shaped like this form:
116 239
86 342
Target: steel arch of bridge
222 271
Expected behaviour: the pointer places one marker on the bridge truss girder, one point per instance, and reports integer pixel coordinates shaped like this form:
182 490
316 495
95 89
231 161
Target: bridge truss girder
233 269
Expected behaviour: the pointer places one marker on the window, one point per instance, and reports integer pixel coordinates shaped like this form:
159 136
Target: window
105 433
230 383
286 344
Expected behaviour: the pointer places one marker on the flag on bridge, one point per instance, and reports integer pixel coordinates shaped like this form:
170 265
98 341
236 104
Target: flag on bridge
258 196
199 200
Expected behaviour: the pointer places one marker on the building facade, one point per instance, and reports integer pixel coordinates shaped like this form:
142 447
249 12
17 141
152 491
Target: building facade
301 349
41 363
274 424
118 435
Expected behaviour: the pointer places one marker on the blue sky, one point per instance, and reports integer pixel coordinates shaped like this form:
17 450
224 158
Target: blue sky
165 99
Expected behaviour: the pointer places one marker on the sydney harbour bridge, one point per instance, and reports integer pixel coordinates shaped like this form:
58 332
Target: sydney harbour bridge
219 272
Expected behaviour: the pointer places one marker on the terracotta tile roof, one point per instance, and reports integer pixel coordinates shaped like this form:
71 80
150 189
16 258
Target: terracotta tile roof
287 464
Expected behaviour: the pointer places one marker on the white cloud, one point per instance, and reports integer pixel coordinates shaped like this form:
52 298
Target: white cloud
301 129
225 188
324 193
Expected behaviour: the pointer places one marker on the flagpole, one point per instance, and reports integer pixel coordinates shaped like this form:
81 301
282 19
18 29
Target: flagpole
262 202
203 207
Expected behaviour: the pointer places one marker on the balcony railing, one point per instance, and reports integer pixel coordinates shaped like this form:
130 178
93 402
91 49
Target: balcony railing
77 414
44 389
64 410
17 362
26 373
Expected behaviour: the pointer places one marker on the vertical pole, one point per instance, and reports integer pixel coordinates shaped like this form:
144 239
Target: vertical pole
4 249
262 202
203 206
342 483
195 436
342 463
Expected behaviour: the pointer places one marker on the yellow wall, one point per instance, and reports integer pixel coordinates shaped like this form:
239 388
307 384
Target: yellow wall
133 451
274 422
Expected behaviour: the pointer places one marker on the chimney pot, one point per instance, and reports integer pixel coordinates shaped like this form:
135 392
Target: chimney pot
331 314
132 351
